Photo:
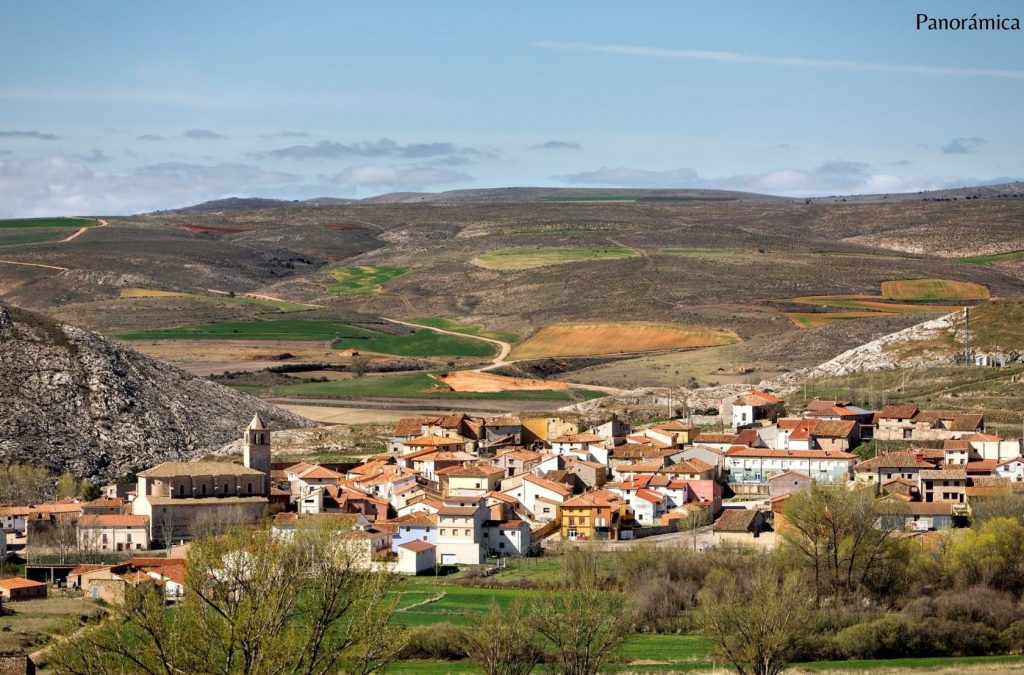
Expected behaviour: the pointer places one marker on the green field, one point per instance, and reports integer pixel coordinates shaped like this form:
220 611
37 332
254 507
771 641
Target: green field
342 336
281 306
529 257
36 622
24 223
417 385
467 328
361 280
33 236
993 258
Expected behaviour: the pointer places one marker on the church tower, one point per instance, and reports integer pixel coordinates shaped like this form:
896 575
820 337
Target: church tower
256 449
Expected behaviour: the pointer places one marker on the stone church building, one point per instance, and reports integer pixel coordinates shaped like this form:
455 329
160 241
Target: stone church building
188 499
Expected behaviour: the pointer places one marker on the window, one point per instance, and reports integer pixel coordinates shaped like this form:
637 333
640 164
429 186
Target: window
104 539
225 488
408 529
442 531
129 539
204 488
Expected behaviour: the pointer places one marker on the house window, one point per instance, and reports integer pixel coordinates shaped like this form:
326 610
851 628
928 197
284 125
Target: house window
129 538
204 488
442 531
248 488
104 539
467 532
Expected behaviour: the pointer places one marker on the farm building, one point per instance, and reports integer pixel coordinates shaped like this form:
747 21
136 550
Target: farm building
19 588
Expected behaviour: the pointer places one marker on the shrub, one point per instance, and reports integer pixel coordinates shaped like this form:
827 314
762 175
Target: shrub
436 641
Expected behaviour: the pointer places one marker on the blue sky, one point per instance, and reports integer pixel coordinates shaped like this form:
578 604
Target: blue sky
121 107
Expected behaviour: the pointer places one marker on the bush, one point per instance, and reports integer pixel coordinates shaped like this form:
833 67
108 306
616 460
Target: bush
1012 638
983 605
437 641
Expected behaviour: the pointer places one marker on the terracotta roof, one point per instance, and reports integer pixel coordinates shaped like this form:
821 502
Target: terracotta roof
418 519
12 583
579 438
798 474
943 474
417 546
982 466
471 471
894 460
982 437
15 511
676 425
903 412
408 426
916 508
431 440
743 451
56 508
735 520
589 499
834 428
174 469
756 397
318 472
649 496
457 511
111 520
548 484
714 438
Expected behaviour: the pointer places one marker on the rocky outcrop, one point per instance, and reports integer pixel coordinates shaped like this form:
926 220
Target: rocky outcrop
75 400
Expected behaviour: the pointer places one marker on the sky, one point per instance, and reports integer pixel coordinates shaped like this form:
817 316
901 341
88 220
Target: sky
125 107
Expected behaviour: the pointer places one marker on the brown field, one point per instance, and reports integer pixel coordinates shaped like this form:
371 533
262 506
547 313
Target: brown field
933 289
585 339
150 293
199 229
343 226
469 380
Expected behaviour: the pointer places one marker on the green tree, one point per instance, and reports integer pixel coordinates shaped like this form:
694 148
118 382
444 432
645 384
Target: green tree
755 620
24 484
990 555
67 486
255 606
838 538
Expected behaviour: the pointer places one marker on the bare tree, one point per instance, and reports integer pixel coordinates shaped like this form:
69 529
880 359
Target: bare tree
502 641
305 606
695 521
755 620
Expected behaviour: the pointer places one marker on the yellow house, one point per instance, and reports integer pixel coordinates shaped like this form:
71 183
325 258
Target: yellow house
600 514
546 428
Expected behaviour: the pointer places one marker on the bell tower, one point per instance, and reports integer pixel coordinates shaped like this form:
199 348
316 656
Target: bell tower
256 449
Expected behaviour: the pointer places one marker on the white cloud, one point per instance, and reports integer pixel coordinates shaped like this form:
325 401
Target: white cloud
398 178
830 178
61 186
782 61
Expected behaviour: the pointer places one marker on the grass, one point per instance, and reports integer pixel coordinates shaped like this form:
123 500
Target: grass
35 622
361 280
527 257
342 336
467 328
23 223
813 319
33 236
585 339
417 385
993 258
932 290
919 663
282 306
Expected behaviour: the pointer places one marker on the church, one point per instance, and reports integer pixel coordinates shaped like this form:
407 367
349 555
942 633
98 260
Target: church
184 500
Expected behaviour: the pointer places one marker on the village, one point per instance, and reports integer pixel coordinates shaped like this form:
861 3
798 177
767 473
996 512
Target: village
459 491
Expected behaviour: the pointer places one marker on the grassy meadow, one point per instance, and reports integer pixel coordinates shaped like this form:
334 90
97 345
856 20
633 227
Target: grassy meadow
26 223
361 280
467 328
528 257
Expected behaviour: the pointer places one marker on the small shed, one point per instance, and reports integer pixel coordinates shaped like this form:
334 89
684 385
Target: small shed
788 482
19 588
739 526
416 557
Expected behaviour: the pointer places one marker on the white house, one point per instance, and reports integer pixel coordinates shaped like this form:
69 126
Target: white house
1012 469
509 538
756 465
113 533
539 496
460 538
14 518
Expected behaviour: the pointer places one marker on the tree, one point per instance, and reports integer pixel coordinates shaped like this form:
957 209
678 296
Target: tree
755 620
990 555
24 484
838 538
67 486
502 641
585 623
305 606
694 522
360 365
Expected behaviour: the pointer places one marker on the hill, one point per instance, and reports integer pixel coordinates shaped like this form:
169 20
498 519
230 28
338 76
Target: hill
71 399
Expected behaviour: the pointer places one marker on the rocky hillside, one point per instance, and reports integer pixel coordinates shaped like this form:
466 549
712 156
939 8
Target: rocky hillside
75 400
